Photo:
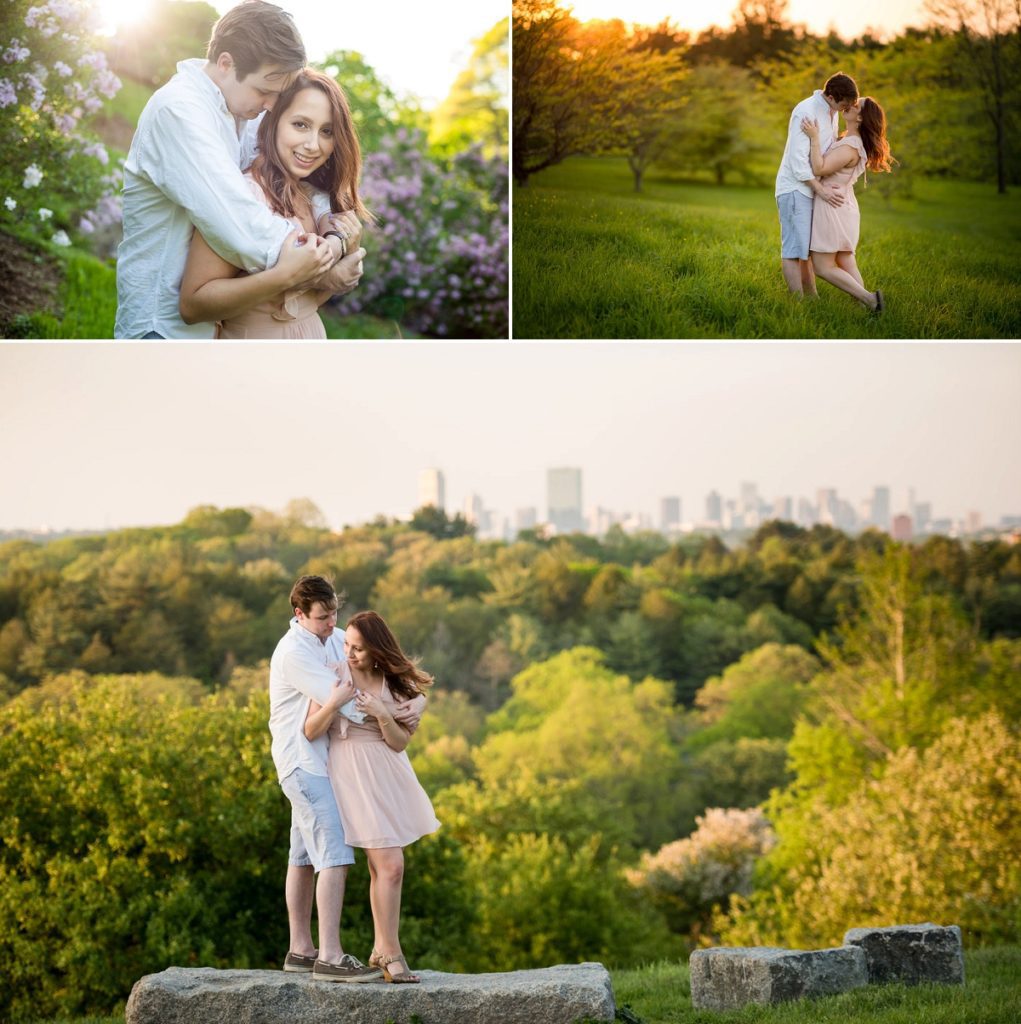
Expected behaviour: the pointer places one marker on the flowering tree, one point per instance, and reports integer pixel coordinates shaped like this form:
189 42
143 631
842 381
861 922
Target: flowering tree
52 78
689 877
438 250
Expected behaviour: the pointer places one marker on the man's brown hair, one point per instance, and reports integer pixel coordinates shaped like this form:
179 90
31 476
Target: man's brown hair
309 589
256 33
841 88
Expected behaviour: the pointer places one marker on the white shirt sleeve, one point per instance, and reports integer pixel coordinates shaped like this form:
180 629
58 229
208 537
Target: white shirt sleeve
309 677
799 148
191 167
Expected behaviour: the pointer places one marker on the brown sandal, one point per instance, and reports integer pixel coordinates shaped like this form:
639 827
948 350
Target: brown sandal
383 962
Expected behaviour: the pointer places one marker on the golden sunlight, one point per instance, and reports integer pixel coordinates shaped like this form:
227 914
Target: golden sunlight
688 16
114 13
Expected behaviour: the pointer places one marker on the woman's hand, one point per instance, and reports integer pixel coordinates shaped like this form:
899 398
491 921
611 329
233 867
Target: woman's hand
810 127
303 257
371 705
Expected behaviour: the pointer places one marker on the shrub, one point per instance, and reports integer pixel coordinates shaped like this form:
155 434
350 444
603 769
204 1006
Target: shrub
52 78
438 252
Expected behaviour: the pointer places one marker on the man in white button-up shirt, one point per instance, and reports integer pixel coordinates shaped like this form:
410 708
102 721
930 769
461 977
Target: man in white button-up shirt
796 183
309 664
184 170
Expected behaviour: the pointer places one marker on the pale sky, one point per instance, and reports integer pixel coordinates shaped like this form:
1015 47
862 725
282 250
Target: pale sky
110 435
417 48
849 19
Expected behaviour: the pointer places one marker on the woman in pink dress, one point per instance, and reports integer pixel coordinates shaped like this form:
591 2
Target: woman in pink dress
835 228
307 141
382 805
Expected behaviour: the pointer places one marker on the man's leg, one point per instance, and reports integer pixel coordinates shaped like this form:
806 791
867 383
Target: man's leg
792 274
329 903
298 891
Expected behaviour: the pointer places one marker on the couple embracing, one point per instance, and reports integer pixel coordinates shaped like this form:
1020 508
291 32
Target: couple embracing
241 207
343 706
819 215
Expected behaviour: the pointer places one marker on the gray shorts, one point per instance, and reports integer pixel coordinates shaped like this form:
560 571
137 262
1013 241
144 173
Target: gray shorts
795 212
317 836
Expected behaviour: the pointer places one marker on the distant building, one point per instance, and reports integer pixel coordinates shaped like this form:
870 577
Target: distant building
923 517
525 519
474 511
598 520
973 521
901 528
432 489
806 513
669 514
714 508
826 506
880 512
783 508
563 499
749 499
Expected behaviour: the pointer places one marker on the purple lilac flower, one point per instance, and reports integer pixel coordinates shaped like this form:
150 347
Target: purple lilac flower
8 96
16 52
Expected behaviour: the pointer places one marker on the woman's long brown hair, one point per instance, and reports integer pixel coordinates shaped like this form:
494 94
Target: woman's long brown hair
872 128
338 177
403 676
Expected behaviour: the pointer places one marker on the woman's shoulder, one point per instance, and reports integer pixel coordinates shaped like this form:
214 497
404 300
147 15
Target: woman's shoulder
257 190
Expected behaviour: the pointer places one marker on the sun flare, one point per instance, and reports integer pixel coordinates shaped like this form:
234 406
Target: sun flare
112 14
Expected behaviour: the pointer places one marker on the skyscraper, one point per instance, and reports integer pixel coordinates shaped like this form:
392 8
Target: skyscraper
563 499
714 507
880 514
669 514
432 489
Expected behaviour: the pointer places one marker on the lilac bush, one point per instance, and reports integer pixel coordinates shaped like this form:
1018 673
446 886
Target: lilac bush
55 177
437 254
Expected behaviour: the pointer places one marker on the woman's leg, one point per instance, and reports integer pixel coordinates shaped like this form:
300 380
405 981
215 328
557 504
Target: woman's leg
825 264
845 260
386 878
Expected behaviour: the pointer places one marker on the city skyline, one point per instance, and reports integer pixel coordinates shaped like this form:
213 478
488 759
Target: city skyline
97 436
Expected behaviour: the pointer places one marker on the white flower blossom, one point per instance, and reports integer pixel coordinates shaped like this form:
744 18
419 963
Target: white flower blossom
45 214
32 176
60 238
10 203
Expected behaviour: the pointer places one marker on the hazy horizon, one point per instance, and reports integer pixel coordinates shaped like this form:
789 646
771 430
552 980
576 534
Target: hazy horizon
100 436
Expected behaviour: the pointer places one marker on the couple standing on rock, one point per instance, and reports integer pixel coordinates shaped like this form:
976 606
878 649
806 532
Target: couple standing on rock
343 706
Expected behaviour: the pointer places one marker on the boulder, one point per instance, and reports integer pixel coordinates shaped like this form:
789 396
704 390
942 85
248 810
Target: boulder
728 978
550 995
911 953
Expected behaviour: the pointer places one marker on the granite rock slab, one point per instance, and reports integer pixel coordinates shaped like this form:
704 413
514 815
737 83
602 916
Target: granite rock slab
728 978
911 954
550 995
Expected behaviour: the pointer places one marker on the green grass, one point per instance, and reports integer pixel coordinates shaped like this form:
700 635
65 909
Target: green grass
594 259
661 994
88 308
88 303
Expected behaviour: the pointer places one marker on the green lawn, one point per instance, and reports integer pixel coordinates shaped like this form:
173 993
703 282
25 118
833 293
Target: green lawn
660 994
594 259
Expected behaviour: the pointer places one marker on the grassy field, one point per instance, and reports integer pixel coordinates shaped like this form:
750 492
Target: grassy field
593 259
660 994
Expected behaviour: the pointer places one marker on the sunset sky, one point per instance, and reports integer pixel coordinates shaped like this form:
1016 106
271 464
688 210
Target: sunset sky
848 19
